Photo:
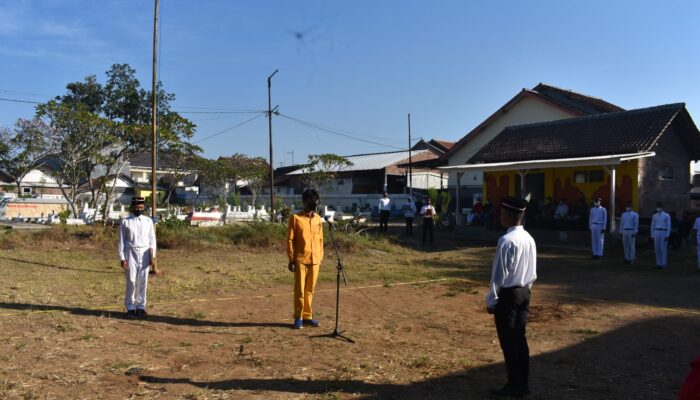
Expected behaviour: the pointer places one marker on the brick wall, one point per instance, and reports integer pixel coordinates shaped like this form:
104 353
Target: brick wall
670 152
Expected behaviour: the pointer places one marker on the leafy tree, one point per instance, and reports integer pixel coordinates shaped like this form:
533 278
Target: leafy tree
322 169
123 101
75 137
180 160
23 150
253 170
215 177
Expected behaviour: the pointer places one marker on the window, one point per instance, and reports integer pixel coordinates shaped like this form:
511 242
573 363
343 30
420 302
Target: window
27 190
596 176
667 174
592 176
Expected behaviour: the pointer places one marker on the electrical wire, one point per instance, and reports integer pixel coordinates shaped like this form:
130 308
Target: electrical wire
19 101
337 132
229 128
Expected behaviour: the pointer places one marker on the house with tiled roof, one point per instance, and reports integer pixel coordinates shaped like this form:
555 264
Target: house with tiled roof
643 156
540 104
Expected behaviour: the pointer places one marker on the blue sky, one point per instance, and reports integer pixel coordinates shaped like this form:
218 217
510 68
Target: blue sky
359 66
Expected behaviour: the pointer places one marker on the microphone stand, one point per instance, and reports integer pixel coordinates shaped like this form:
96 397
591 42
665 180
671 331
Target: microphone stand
339 271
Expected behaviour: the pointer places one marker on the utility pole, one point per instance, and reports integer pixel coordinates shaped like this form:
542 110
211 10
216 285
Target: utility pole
272 168
410 160
154 146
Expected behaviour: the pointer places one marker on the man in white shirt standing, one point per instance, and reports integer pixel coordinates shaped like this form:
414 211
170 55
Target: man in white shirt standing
427 212
597 223
409 212
629 226
696 226
137 252
513 273
384 212
660 231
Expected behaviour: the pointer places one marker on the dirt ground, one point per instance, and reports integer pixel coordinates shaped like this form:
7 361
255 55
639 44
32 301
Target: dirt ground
219 329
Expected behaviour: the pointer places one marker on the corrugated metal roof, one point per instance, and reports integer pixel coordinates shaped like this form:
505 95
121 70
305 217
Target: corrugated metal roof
605 160
368 162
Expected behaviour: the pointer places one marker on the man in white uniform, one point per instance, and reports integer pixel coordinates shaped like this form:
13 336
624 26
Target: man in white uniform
384 212
629 226
696 226
137 252
597 223
514 271
660 231
409 212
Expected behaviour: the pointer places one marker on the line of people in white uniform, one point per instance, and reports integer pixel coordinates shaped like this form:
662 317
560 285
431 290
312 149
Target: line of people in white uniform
660 230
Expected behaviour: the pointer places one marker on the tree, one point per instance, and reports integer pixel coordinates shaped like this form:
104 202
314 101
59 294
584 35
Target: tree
181 160
322 169
128 106
215 176
75 138
253 170
23 150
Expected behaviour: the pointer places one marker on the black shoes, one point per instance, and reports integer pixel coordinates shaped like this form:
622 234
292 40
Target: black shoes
510 391
136 314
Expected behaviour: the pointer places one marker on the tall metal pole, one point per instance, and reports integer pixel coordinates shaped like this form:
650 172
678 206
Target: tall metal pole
154 146
269 124
410 160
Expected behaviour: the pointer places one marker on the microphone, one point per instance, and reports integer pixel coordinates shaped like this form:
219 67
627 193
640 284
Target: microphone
328 221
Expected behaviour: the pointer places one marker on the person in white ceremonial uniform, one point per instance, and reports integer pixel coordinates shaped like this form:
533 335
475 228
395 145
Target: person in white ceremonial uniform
696 226
137 252
384 212
660 231
597 223
513 273
629 226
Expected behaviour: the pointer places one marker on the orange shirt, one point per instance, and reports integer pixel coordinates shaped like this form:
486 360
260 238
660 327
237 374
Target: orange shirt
305 239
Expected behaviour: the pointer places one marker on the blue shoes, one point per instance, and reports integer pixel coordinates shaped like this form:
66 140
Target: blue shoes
311 322
297 324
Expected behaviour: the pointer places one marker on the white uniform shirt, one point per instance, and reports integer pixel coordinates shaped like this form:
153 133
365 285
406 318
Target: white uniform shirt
598 218
136 232
629 222
385 204
696 226
661 222
515 263
561 211
409 209
424 211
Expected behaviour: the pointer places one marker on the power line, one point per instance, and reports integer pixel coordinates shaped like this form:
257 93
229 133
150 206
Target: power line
220 112
337 132
230 128
19 101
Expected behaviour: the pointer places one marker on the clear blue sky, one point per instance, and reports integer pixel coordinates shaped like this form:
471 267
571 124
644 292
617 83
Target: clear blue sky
360 66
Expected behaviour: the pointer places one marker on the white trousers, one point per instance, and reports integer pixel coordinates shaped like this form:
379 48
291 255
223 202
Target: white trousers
660 247
597 241
629 240
139 260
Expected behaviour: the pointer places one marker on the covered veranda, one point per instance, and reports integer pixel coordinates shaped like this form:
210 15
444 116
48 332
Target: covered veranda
610 163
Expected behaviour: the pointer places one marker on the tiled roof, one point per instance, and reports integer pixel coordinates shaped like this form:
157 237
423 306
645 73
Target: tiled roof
587 105
612 133
368 162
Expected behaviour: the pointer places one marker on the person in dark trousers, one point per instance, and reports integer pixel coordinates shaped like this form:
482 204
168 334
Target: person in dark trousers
409 212
513 273
384 212
427 212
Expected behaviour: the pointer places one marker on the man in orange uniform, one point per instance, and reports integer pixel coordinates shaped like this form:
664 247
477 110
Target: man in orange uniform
305 250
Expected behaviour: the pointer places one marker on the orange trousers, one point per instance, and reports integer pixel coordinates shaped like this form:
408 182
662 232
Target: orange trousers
305 277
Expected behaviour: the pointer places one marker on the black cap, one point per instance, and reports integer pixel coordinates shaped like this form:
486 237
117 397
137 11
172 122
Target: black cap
514 204
137 200
597 199
659 203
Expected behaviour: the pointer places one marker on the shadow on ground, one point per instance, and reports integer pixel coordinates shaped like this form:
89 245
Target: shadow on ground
151 317
644 360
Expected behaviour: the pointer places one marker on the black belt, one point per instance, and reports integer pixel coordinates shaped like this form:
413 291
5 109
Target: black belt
660 229
628 229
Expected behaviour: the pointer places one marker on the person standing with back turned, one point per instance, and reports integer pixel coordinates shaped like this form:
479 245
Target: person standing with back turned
384 212
305 251
513 273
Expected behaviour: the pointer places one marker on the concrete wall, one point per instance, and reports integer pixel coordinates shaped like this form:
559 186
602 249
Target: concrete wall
32 210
